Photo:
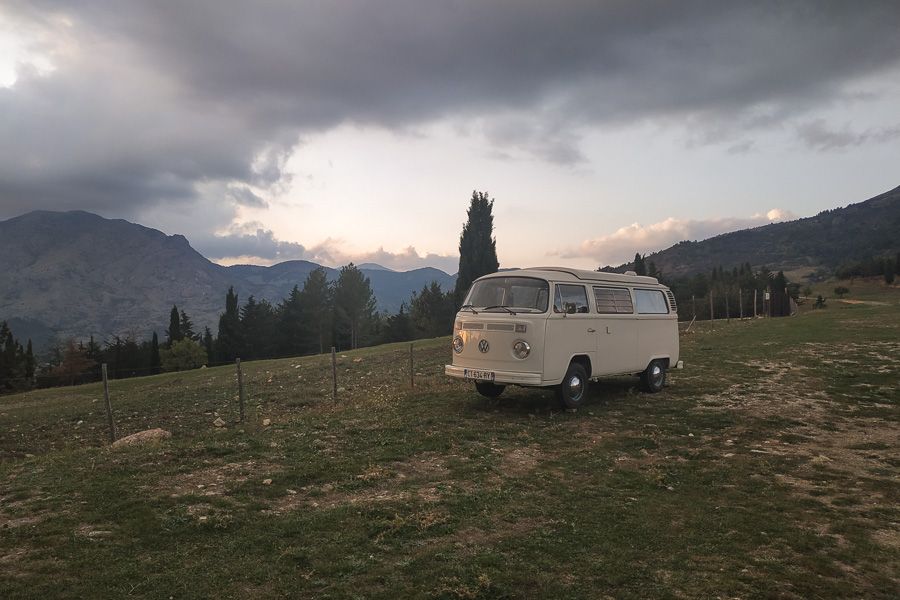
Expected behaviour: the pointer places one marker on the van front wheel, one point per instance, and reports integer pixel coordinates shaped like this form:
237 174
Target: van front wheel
573 389
488 389
654 377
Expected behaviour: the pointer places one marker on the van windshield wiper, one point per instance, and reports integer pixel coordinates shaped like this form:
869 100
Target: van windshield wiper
469 307
503 306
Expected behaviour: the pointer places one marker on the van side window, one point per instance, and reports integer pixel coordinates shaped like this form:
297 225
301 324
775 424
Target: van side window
611 301
570 299
651 302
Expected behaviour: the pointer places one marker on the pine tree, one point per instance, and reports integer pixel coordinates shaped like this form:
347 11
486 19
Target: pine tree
639 266
431 312
155 361
228 341
187 328
398 327
317 309
173 333
354 306
291 327
477 246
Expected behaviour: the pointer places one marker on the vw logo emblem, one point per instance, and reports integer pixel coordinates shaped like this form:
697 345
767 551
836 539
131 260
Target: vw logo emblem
484 346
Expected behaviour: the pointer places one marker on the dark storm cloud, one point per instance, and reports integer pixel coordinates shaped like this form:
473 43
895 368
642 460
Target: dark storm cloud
249 240
817 135
153 99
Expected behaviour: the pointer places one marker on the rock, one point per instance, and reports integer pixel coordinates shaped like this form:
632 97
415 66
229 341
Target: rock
267 482
219 422
357 359
266 422
142 437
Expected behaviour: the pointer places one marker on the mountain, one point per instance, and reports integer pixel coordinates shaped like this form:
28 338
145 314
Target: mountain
78 274
827 240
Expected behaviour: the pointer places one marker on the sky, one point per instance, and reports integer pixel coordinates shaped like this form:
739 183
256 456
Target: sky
358 130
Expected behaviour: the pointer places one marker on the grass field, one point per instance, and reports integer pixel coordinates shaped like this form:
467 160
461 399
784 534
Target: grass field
768 468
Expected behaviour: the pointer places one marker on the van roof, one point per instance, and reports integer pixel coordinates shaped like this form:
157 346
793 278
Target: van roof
567 274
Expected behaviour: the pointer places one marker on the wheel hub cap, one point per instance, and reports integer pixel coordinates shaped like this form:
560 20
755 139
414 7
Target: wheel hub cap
576 386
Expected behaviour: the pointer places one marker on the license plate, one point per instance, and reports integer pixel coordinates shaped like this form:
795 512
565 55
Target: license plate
478 375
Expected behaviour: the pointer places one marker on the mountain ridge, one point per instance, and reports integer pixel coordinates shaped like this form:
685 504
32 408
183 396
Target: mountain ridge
79 274
821 242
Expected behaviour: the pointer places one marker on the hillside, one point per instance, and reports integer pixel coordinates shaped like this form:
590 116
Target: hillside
722 485
826 240
76 273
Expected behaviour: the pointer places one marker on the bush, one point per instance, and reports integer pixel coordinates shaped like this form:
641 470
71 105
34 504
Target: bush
840 290
183 355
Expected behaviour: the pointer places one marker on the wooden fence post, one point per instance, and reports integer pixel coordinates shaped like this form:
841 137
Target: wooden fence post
741 302
333 374
109 415
754 302
240 375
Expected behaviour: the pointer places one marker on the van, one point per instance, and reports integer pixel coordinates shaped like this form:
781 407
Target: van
559 327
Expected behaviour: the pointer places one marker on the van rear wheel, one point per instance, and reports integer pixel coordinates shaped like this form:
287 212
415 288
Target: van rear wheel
488 389
573 389
653 379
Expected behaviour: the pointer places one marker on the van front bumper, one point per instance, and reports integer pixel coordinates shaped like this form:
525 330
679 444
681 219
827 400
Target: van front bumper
499 376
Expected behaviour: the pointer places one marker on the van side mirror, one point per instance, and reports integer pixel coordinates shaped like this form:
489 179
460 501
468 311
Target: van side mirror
570 308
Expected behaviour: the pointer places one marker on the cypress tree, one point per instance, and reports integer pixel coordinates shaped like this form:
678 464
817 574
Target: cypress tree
477 246
229 342
29 362
173 333
154 355
208 342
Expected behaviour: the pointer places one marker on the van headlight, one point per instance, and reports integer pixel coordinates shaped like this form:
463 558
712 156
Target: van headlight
457 344
521 349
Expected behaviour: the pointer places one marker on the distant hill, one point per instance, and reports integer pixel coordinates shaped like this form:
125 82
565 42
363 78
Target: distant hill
76 273
827 240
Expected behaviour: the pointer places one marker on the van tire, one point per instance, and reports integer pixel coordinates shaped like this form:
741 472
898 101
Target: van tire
573 389
488 389
653 379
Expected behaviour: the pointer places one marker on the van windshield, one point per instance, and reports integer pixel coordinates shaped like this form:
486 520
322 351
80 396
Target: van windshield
516 293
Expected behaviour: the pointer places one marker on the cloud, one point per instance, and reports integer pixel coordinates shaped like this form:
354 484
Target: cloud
244 196
817 135
142 103
621 245
252 243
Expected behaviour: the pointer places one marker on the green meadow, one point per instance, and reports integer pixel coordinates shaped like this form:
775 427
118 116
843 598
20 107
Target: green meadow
767 468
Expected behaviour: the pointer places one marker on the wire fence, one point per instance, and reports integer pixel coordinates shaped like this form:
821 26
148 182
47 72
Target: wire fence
196 402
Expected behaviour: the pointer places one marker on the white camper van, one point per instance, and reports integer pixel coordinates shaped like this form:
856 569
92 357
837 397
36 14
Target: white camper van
558 327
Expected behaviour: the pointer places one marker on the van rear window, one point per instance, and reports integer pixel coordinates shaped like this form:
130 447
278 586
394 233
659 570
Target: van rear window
651 302
611 301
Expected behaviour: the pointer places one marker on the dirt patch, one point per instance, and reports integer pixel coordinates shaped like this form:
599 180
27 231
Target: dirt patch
868 302
476 537
214 480
419 478
520 461
888 538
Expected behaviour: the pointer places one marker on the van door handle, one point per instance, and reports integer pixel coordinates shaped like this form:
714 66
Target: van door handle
591 330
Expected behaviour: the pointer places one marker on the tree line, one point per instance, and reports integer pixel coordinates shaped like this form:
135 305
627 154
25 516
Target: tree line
732 290
311 319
